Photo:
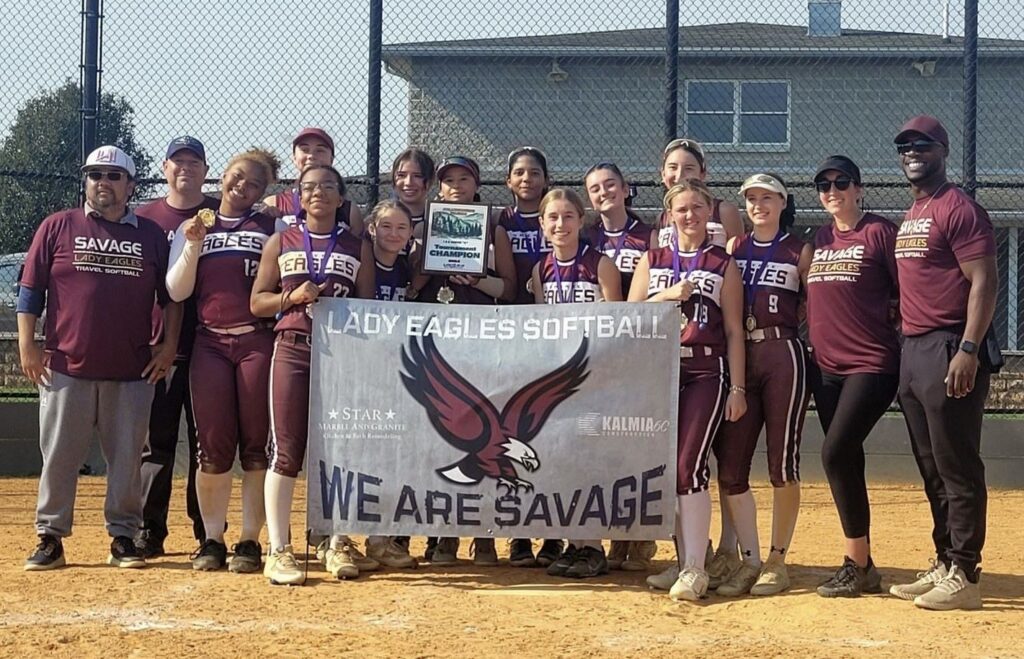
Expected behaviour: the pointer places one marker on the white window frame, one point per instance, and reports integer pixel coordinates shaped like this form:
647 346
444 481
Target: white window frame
737 116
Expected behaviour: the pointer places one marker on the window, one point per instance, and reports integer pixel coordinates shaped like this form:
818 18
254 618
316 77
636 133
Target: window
738 112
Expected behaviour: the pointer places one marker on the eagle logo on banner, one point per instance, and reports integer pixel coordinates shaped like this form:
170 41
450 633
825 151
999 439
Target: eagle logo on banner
494 444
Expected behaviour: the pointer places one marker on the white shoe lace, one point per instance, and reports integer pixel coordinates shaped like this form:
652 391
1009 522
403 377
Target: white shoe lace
953 582
934 573
286 561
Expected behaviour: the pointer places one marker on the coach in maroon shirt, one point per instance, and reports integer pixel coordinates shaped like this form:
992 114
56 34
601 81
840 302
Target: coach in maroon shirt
97 271
946 261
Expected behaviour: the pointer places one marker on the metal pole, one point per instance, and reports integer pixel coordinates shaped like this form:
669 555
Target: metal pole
671 69
373 104
970 183
90 75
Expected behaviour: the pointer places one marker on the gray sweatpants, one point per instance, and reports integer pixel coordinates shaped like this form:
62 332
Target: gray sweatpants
73 410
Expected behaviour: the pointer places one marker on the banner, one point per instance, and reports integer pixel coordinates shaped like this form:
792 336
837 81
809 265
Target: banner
543 421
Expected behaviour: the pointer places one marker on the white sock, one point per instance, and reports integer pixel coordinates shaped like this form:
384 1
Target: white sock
785 509
278 491
743 511
214 494
254 512
680 546
727 539
695 510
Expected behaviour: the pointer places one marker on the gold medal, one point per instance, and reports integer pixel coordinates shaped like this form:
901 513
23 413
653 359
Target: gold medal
751 323
309 311
683 322
207 217
445 295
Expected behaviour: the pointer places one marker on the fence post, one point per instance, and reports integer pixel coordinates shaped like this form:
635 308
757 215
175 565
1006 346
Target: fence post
970 183
373 103
671 69
89 79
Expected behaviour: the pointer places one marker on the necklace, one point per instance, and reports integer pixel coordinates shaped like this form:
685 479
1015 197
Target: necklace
927 203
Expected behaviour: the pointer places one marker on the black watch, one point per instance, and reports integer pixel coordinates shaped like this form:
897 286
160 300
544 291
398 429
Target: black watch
969 347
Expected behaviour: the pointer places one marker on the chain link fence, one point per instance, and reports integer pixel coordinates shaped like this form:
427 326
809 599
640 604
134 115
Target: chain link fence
775 86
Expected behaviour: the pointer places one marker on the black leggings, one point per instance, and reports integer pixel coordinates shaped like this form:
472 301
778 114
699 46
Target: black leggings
849 406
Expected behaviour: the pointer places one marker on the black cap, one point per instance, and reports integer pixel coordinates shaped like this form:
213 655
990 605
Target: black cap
840 164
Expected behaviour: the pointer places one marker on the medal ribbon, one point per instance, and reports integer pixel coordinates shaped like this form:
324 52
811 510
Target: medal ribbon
320 275
559 297
750 276
619 243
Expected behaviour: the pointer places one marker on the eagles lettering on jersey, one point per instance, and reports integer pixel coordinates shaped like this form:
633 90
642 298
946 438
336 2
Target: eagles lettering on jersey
581 292
525 242
234 241
342 265
709 284
773 275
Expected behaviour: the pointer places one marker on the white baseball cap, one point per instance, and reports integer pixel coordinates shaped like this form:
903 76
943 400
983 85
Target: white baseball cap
766 182
110 156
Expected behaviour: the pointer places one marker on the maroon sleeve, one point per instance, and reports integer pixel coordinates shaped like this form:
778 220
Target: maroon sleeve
969 233
887 236
39 260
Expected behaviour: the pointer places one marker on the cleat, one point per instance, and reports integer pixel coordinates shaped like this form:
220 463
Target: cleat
390 553
247 557
282 569
549 552
665 579
562 564
617 554
639 556
589 562
520 553
723 565
340 563
692 585
446 554
774 577
483 552
741 581
210 556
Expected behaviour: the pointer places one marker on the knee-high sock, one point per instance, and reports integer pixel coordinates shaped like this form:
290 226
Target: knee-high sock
727 539
695 511
743 511
680 547
254 512
278 491
214 494
785 509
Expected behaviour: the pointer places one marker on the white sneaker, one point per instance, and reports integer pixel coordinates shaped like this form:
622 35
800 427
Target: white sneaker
364 563
952 592
723 565
340 562
925 581
390 554
741 581
282 568
664 580
774 577
691 585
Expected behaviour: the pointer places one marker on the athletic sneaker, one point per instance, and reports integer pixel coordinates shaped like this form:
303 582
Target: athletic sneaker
774 577
340 563
149 544
483 552
446 553
390 554
664 579
210 556
850 580
741 581
402 541
559 567
617 554
520 553
723 565
549 552
691 585
639 555
282 569
247 557
925 581
49 554
954 591
363 562
124 554
589 562
428 553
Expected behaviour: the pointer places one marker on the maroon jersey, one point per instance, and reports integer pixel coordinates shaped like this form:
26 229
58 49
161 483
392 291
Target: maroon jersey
100 280
529 246
715 229
341 271
227 267
392 280
169 219
771 280
703 311
851 280
288 204
935 238
579 278
624 247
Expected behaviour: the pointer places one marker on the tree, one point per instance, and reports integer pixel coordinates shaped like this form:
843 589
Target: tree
40 158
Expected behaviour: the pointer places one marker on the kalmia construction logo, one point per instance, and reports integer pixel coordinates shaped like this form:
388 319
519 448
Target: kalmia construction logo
600 425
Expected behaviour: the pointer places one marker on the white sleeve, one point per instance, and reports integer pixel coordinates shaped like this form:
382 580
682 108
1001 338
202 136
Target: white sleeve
181 269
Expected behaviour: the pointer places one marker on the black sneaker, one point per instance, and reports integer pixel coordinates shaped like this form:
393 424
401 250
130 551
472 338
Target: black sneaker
549 552
590 562
49 554
520 554
850 580
211 555
247 557
562 564
428 553
124 554
148 544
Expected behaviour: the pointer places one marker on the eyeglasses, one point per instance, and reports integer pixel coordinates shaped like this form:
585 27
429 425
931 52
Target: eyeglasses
99 176
326 186
841 183
919 146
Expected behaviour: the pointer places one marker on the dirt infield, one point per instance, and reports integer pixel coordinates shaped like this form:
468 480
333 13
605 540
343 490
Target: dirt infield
169 610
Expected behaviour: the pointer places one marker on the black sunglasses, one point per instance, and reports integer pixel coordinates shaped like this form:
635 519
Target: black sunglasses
99 176
841 183
919 146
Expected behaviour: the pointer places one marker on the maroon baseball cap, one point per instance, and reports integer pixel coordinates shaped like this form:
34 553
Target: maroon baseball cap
316 133
926 125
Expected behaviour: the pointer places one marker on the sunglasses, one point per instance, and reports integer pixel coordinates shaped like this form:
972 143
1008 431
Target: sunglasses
919 146
99 176
841 183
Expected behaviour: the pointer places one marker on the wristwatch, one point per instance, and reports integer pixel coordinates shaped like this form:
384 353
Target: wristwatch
969 347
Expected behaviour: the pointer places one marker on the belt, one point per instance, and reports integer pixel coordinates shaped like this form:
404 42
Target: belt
294 338
769 333
688 352
237 330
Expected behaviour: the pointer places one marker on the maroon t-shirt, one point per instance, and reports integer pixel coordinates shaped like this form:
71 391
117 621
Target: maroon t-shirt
169 219
707 270
771 293
624 247
850 283
341 271
529 246
934 239
579 278
227 268
100 280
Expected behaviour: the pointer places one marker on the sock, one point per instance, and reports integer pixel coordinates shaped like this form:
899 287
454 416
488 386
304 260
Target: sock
680 547
254 511
785 509
695 511
743 511
214 493
278 491
727 540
